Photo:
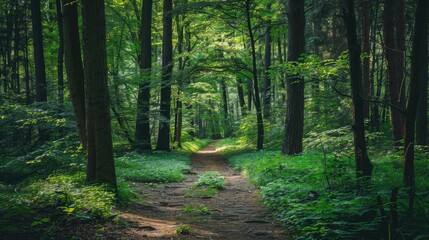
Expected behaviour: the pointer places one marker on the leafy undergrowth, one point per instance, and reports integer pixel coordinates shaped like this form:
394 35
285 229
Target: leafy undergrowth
314 195
48 195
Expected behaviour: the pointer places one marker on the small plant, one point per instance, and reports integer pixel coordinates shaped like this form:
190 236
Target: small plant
197 210
198 192
211 180
183 230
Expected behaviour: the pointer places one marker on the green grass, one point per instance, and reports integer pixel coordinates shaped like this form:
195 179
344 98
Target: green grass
200 209
153 168
314 195
158 167
45 189
211 180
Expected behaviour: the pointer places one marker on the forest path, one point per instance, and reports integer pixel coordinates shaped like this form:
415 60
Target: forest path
235 212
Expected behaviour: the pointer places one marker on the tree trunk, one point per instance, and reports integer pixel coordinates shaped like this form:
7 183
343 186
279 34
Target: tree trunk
39 61
267 65
422 106
363 164
394 41
294 126
241 97
60 63
225 108
257 101
74 67
167 69
366 25
96 92
143 140
418 59
39 57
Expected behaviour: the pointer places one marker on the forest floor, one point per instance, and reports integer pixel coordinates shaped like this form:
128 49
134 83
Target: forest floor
235 212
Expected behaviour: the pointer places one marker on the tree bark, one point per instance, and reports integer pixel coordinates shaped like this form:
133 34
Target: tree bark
143 137
241 97
60 64
39 61
366 26
167 69
394 41
74 66
363 164
294 126
39 56
267 65
257 101
422 137
418 59
96 92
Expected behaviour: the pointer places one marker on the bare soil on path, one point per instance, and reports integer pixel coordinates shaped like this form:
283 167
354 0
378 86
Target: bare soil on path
235 212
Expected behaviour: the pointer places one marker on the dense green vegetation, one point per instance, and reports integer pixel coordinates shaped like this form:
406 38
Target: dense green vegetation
43 190
314 195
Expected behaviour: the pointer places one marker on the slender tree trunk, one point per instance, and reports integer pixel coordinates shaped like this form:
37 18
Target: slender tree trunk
96 92
180 22
241 97
267 65
225 108
167 69
26 67
143 140
366 26
394 40
74 66
260 138
294 126
363 164
418 59
60 63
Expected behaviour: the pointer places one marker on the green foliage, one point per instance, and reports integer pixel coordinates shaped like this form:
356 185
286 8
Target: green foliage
200 209
70 195
201 192
314 195
195 145
157 167
211 180
183 230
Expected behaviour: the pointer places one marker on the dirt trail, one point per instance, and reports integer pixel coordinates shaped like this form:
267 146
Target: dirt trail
236 212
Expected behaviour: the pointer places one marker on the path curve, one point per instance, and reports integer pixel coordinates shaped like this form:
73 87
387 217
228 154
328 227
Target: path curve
236 212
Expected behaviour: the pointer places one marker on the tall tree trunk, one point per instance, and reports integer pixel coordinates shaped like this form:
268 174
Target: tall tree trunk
97 93
294 126
418 59
422 106
260 138
267 65
60 63
26 65
225 108
363 164
241 97
167 69
143 140
74 66
39 56
394 40
39 61
180 25
366 26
